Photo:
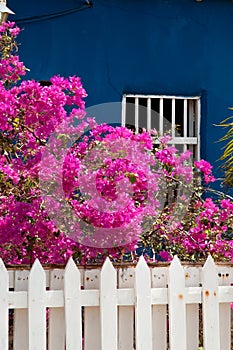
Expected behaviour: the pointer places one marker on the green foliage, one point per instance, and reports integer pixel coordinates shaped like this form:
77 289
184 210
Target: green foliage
227 155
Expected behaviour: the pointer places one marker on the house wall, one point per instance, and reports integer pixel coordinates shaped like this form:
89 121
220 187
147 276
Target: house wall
150 46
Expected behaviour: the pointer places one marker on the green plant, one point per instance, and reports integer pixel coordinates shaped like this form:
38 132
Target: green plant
227 155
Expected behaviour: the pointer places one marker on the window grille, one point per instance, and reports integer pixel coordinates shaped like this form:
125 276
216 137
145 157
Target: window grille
177 115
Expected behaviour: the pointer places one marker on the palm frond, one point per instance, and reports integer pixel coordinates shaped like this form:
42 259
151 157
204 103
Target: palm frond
227 155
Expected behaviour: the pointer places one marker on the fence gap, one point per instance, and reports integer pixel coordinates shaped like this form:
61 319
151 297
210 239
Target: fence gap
126 321
56 331
21 315
92 339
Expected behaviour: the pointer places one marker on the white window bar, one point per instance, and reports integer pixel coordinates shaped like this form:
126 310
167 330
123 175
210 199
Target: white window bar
161 116
173 118
136 113
197 126
148 114
185 126
123 111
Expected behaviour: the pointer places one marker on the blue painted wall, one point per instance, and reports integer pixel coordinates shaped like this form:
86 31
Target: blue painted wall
147 46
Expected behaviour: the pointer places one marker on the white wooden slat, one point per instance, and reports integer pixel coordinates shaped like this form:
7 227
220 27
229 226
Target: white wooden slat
123 111
177 307
173 118
12 276
56 333
192 279
224 311
4 286
21 315
143 308
126 313
225 294
125 297
148 114
73 315
92 331
36 307
108 306
210 306
161 116
136 113
159 313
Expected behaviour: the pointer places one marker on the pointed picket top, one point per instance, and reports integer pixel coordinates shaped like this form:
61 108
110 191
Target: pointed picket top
176 264
37 271
210 269
142 276
3 271
176 275
108 266
2 264
108 275
142 264
4 287
209 264
71 266
37 265
72 278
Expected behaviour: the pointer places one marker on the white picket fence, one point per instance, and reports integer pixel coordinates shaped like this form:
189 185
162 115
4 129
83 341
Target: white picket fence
116 309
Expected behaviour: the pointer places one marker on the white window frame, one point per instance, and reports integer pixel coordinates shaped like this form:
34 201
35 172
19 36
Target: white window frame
192 110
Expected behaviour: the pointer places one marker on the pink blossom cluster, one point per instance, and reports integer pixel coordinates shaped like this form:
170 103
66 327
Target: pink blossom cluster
206 169
11 69
71 187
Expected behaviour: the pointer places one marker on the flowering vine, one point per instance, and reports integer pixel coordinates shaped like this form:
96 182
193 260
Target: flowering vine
71 187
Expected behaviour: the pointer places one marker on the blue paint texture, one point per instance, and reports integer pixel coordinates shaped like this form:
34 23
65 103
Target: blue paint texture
140 46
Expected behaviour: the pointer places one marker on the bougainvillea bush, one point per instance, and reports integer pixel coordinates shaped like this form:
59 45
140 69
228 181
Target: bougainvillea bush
71 187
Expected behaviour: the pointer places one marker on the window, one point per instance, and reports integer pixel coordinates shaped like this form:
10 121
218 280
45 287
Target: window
178 115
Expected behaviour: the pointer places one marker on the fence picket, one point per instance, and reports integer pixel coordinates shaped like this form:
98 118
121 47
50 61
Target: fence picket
177 307
4 314
110 301
192 279
21 315
143 309
159 312
36 307
92 339
126 313
210 306
73 315
56 315
108 306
